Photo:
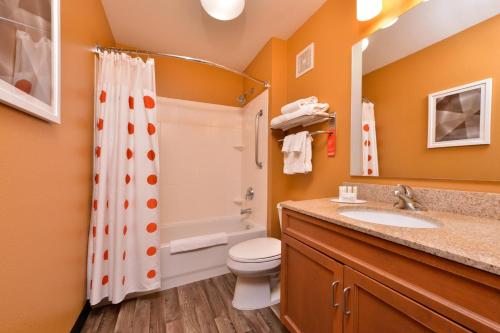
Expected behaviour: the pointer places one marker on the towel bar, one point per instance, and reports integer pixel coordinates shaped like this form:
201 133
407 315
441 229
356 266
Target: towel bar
312 133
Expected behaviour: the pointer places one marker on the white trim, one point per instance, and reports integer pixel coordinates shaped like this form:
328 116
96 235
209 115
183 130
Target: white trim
485 117
29 104
310 48
356 156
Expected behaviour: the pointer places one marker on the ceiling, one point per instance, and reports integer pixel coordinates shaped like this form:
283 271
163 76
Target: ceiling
426 24
182 27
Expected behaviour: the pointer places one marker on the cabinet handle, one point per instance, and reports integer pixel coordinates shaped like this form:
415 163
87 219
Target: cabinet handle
334 289
346 296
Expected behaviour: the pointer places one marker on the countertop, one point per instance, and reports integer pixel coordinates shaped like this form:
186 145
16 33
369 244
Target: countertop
469 240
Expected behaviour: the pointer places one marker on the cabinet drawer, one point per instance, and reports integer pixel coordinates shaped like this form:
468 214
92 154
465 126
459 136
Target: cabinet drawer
466 295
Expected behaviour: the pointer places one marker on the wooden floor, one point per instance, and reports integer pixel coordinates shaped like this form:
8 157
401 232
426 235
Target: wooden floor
199 307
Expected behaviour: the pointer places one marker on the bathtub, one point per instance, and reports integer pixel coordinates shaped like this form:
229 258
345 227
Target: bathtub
182 268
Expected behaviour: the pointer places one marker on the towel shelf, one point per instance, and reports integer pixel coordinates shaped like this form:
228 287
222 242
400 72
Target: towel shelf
311 134
304 121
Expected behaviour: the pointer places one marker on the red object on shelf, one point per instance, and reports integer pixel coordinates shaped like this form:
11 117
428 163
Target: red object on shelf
332 142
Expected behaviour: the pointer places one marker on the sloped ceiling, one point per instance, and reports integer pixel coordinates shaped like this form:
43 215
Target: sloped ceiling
182 27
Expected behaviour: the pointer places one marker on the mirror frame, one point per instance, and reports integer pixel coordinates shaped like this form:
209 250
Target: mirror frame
20 100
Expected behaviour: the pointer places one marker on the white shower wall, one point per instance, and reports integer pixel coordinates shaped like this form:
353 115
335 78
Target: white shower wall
207 160
200 168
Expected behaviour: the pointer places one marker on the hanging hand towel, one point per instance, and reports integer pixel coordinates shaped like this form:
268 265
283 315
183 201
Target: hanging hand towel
295 106
308 154
299 149
288 154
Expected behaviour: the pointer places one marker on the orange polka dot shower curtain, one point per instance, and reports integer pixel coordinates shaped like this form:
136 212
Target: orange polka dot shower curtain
123 239
369 137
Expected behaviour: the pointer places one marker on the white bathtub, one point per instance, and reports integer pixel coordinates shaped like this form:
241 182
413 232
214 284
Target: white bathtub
182 268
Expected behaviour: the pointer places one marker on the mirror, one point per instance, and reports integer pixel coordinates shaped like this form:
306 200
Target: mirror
425 94
29 56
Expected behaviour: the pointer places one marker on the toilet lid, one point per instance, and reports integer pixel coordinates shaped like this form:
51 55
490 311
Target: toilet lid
256 249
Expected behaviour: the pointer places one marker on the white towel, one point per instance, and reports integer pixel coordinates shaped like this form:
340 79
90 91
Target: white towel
298 153
288 155
308 155
198 242
295 106
289 120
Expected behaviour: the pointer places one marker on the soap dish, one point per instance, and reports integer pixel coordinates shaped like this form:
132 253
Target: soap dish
358 201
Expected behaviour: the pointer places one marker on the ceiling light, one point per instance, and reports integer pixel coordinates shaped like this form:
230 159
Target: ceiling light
224 10
389 22
368 9
364 44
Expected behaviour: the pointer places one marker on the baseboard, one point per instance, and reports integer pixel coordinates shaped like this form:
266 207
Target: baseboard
78 326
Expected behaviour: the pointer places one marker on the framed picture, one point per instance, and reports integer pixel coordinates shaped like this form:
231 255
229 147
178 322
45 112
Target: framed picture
460 116
30 57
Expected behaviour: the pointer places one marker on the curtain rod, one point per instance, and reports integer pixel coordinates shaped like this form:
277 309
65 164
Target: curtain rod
99 48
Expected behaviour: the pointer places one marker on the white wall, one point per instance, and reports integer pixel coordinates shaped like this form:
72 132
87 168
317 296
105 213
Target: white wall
207 160
200 168
251 174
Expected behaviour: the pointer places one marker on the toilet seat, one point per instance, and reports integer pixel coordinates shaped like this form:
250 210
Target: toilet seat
256 250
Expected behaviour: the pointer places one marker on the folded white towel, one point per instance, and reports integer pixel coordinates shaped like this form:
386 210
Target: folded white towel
289 120
299 149
198 242
295 106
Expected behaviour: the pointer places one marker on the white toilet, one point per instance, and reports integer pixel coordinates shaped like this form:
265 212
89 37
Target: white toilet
256 263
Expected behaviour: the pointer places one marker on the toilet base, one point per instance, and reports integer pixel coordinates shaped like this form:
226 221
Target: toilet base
252 293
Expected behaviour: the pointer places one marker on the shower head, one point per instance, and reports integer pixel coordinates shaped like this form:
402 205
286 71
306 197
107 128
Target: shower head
243 98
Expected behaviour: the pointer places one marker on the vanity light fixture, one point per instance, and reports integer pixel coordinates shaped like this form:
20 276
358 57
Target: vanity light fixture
389 23
368 9
364 44
224 10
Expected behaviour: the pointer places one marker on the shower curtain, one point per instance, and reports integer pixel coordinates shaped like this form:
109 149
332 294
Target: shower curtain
124 241
369 137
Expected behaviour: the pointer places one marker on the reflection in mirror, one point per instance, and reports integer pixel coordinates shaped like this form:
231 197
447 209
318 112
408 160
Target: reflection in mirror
425 95
27 54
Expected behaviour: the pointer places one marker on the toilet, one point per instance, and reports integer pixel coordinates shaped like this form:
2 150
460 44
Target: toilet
256 264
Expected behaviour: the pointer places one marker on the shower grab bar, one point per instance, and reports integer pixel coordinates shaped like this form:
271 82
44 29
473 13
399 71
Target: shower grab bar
257 124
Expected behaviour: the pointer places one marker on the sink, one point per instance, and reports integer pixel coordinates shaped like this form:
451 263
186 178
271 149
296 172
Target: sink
388 218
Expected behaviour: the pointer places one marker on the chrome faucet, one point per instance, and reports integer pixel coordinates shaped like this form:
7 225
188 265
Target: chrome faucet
406 199
246 211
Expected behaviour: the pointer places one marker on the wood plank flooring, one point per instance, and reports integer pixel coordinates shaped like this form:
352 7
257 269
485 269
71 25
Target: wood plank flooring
200 307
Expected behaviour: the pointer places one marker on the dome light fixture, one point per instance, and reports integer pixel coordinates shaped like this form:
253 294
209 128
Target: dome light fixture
223 10
368 9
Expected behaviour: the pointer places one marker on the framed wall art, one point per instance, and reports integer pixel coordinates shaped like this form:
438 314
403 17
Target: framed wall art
460 116
30 57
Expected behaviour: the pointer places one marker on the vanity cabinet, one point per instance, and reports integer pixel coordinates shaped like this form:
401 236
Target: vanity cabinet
335 279
312 285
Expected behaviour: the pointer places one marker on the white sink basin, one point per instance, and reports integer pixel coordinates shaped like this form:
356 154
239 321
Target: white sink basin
388 218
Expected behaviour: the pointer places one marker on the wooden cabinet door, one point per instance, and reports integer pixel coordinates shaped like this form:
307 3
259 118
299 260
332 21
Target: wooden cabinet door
311 289
372 307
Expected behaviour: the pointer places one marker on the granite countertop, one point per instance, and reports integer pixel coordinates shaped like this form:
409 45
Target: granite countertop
469 240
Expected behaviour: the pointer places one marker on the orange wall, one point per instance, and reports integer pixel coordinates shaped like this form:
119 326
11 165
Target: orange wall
400 91
334 29
196 82
45 182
